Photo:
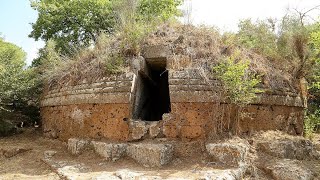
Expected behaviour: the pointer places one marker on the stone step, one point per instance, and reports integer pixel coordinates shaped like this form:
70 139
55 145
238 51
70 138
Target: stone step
228 154
110 151
146 154
77 146
151 155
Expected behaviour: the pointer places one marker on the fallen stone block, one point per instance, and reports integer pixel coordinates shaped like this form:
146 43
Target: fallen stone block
76 146
287 148
110 151
138 129
288 169
227 154
151 155
154 129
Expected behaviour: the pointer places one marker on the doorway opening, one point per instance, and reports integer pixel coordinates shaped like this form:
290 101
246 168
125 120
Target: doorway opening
152 98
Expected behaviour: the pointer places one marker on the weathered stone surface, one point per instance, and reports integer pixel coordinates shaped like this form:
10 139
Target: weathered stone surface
100 109
87 120
227 154
151 155
76 146
110 151
317 146
78 172
287 148
8 153
137 129
127 174
49 154
156 52
154 129
288 170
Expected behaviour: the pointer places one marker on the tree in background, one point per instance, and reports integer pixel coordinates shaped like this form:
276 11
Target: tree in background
74 24
294 44
18 86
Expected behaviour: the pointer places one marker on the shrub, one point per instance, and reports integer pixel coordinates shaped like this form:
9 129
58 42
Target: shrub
238 83
311 123
258 36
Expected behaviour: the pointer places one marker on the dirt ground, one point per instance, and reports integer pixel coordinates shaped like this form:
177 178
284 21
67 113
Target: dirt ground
29 164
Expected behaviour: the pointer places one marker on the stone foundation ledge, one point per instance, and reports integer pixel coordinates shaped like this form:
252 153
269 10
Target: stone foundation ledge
146 154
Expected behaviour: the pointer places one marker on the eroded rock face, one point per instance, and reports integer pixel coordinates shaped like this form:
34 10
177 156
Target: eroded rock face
110 151
137 129
76 146
101 109
155 129
286 169
151 155
49 154
228 153
284 146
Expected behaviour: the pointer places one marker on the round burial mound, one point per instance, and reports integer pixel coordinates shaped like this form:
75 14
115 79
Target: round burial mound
167 91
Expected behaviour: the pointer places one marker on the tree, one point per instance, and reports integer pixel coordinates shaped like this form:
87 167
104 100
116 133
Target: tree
73 23
258 36
16 80
162 9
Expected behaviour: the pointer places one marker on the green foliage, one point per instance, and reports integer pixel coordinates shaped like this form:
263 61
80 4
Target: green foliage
114 64
18 84
238 83
131 28
159 9
311 123
288 42
258 36
314 77
290 31
72 23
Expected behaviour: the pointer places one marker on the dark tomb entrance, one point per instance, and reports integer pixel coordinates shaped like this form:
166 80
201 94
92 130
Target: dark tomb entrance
152 98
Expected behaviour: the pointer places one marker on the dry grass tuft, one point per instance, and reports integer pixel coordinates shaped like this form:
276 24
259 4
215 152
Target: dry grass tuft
203 47
192 47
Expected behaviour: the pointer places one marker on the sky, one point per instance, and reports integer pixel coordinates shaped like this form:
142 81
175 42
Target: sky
15 19
16 16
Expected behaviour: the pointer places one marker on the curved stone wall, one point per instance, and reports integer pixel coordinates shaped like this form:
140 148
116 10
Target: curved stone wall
104 109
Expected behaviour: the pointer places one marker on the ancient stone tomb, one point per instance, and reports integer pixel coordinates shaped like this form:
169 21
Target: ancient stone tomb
155 100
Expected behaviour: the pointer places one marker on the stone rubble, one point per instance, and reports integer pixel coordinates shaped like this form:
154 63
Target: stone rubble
227 154
76 146
235 158
288 169
111 152
151 155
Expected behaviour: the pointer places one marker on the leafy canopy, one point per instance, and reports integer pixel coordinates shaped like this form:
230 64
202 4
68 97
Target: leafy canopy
72 23
15 81
78 23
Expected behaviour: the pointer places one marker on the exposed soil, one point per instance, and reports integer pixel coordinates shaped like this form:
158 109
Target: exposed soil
29 147
29 164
